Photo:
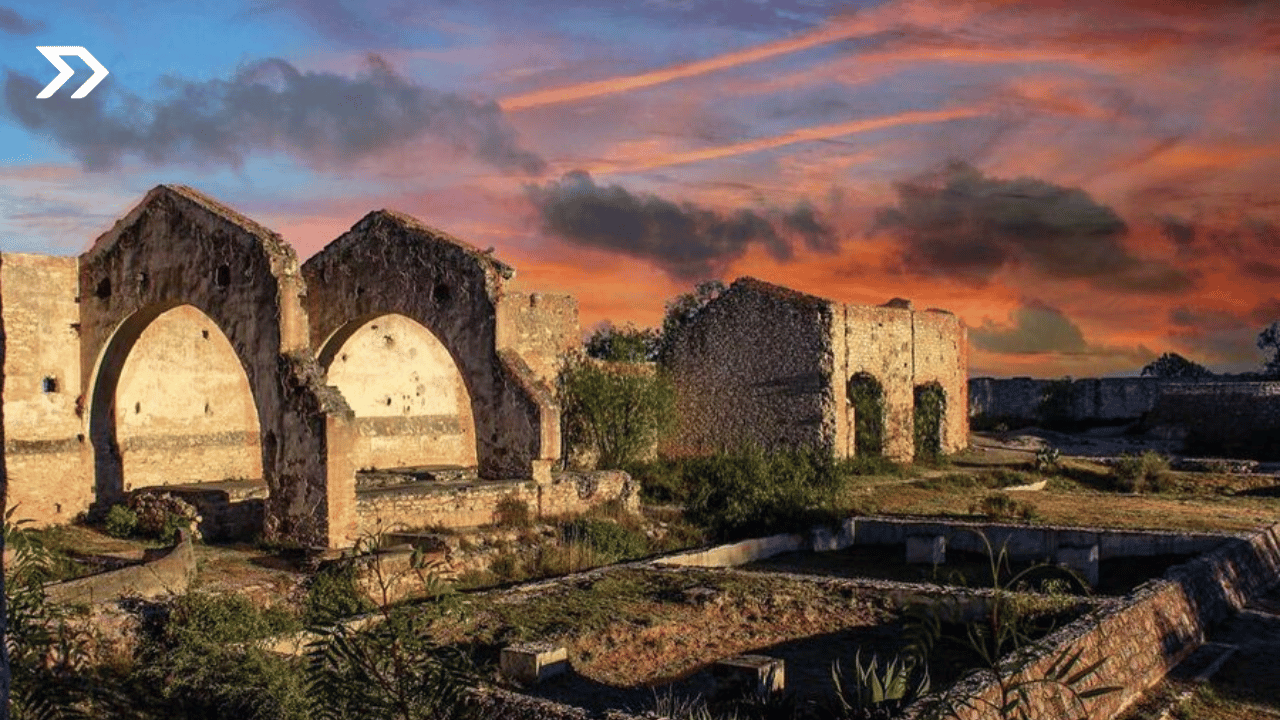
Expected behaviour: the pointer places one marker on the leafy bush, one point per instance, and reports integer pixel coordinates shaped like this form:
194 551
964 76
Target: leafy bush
121 522
1001 505
1148 472
871 465
738 494
332 594
617 411
866 396
609 538
512 512
204 660
1048 459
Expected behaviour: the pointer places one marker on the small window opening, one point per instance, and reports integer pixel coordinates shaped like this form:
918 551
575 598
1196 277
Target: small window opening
104 289
222 276
49 385
441 294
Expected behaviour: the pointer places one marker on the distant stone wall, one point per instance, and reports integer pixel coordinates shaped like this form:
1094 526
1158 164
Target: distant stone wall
541 328
419 506
1086 399
44 440
755 367
1239 419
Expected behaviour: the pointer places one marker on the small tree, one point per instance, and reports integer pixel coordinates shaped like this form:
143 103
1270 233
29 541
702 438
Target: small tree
1174 366
624 344
1269 341
681 311
615 410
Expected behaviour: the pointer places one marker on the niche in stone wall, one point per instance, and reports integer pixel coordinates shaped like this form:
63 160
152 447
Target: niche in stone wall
412 407
183 408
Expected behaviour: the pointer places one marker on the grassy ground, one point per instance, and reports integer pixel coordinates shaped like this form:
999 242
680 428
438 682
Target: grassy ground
1080 493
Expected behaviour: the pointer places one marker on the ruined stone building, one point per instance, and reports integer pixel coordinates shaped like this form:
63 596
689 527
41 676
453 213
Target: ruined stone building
189 348
766 365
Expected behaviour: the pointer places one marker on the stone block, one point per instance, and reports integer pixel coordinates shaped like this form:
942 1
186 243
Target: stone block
746 675
931 549
532 663
1082 559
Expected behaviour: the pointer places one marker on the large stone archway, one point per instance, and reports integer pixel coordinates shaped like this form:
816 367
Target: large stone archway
178 247
389 263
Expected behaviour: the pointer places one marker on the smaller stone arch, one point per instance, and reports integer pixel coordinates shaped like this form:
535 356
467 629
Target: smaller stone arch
929 411
866 401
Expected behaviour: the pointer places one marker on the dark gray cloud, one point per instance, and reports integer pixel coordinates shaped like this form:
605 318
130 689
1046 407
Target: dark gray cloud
1181 232
1037 328
964 225
1266 312
327 120
688 241
1197 319
15 24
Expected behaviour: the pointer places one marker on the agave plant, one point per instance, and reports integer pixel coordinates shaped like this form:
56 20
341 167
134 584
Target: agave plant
875 691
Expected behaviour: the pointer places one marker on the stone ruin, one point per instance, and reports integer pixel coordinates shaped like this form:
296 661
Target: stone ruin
392 381
770 366
189 347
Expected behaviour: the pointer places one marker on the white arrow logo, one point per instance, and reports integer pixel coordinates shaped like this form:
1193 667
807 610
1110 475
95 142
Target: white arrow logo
54 54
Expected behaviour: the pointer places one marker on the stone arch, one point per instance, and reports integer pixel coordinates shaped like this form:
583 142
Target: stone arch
222 455
178 247
389 263
867 402
930 408
411 402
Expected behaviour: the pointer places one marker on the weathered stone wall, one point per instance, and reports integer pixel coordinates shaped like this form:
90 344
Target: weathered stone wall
419 506
184 411
1088 399
1240 419
390 263
1142 637
878 340
44 444
179 247
772 366
940 345
755 367
541 328
410 403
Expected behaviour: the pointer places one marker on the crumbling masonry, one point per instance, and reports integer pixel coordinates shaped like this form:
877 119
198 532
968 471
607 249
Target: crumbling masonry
768 366
190 346
392 381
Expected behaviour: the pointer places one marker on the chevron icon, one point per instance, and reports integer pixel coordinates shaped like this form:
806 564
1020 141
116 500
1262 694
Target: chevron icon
54 53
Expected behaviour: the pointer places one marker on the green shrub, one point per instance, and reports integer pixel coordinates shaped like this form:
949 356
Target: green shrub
871 465
618 411
749 492
610 539
121 522
512 512
1148 472
332 594
929 411
1003 506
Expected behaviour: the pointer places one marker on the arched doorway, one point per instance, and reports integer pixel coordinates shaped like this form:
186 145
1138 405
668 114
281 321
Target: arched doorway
412 405
171 405
929 410
866 400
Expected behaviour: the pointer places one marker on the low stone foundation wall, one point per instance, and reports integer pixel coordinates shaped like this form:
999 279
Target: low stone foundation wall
1144 636
471 504
170 574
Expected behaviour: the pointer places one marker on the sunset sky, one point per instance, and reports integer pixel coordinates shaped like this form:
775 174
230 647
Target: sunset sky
1086 183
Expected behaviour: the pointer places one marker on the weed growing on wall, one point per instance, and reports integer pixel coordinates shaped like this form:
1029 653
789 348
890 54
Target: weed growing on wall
866 396
1148 472
617 411
1054 411
930 409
